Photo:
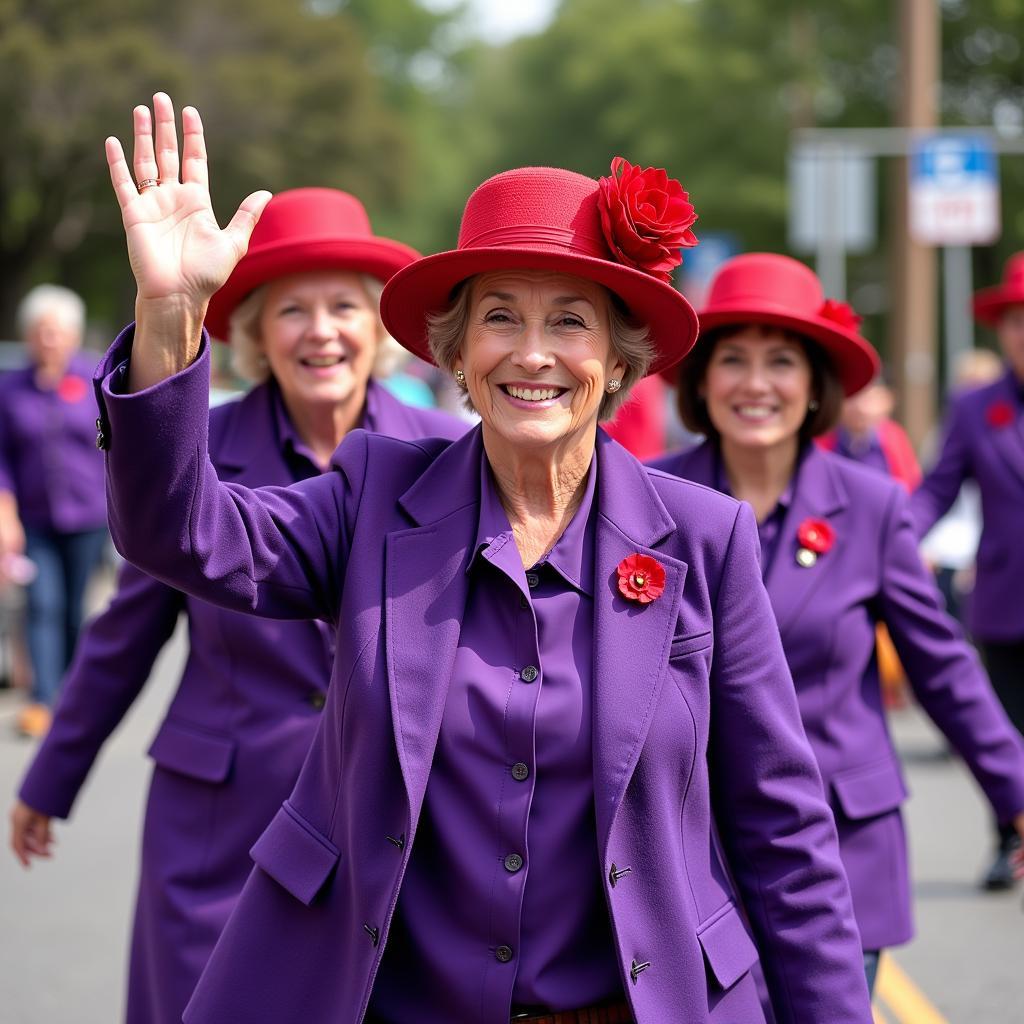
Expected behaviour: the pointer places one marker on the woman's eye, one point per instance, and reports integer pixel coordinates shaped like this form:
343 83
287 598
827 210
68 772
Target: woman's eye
571 321
290 309
498 316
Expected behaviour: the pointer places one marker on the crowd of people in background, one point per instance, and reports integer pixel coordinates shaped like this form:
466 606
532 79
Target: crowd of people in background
850 580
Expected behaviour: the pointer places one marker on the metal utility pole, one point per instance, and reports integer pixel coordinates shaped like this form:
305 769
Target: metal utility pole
913 322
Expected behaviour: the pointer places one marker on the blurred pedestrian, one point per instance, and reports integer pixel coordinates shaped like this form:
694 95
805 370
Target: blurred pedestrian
549 660
868 434
838 554
302 313
52 505
984 442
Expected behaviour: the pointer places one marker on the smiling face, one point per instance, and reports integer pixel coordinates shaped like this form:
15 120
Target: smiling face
1010 331
757 387
319 332
538 355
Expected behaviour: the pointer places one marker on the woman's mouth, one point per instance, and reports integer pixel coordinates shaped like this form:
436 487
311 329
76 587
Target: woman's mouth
532 396
754 413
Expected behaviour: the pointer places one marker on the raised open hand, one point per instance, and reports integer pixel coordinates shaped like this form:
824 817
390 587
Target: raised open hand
178 252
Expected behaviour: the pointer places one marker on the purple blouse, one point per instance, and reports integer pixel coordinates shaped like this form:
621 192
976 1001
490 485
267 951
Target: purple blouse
48 456
502 907
769 529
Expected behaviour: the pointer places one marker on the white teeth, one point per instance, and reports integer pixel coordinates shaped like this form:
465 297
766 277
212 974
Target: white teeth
532 394
759 412
322 360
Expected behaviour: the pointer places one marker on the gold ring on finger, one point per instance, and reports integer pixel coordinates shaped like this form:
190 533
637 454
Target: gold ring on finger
147 183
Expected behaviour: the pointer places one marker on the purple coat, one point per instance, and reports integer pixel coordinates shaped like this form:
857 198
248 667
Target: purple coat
234 737
827 617
979 444
694 715
48 456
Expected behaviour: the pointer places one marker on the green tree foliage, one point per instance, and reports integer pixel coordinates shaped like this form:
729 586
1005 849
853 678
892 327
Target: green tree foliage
286 94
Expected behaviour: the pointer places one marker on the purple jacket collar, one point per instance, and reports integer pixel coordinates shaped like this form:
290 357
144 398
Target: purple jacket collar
425 599
819 494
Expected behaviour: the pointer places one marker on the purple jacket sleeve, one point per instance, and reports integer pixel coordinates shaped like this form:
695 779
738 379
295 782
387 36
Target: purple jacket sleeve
775 824
944 671
937 492
115 655
279 552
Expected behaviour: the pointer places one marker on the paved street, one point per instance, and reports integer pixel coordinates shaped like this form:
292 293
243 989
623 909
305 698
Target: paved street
63 925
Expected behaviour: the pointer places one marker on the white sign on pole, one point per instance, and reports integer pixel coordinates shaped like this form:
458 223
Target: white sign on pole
831 199
954 191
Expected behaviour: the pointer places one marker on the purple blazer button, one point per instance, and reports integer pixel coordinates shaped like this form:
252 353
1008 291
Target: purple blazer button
520 771
529 674
503 954
513 862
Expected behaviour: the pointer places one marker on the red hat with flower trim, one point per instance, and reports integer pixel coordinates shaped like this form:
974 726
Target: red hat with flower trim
766 288
624 232
991 303
305 229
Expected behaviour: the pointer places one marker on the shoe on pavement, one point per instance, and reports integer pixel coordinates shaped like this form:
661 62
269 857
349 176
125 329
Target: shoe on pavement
34 721
999 876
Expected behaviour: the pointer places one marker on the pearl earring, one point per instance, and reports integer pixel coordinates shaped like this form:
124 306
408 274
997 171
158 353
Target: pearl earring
813 406
460 378
613 385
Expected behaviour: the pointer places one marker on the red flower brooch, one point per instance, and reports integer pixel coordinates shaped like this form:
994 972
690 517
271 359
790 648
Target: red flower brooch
840 313
646 217
1000 414
815 538
72 389
641 578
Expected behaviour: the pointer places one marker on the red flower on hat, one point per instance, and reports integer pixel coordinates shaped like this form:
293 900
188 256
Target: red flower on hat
815 535
841 313
646 217
641 578
999 414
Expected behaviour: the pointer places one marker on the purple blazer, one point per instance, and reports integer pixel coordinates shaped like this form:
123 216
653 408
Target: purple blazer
48 456
694 715
826 616
978 443
234 737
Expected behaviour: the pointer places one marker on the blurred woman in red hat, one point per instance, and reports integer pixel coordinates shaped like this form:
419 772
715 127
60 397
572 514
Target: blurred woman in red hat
554 668
302 312
838 556
984 441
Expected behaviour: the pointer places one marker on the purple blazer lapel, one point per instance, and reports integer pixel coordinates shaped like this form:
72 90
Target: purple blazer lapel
819 494
425 597
1009 440
631 641
249 446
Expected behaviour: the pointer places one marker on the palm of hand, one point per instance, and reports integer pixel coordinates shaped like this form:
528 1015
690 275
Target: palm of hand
175 246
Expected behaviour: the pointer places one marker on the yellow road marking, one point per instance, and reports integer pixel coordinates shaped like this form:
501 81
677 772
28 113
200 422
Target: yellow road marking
902 997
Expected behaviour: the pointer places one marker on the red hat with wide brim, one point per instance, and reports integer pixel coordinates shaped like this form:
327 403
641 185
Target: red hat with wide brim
990 303
767 288
536 218
306 229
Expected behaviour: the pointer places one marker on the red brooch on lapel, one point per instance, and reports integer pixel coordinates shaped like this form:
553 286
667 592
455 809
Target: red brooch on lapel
999 414
815 538
641 578
71 389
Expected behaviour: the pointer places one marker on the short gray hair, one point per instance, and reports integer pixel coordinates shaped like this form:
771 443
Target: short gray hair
631 342
249 362
50 298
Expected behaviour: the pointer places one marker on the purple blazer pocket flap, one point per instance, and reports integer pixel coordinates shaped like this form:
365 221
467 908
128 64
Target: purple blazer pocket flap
869 790
295 854
728 948
193 751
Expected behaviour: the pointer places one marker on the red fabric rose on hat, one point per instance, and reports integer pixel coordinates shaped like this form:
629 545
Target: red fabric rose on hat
641 578
815 535
646 217
840 313
999 414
